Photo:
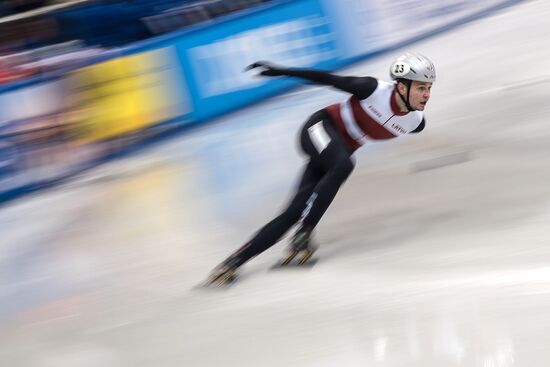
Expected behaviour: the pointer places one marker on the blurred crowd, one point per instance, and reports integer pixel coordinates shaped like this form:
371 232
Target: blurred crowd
49 131
41 35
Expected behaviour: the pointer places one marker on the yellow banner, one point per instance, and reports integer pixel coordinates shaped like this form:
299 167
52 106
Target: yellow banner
128 94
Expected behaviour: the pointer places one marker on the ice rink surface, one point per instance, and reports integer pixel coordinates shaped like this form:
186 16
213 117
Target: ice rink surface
435 253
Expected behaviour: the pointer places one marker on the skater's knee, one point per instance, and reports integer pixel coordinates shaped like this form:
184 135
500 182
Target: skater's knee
344 168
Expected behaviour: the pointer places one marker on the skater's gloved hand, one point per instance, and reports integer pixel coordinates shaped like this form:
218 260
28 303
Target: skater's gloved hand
265 68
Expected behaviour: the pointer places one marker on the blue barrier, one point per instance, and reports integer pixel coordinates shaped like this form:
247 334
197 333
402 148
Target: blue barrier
294 33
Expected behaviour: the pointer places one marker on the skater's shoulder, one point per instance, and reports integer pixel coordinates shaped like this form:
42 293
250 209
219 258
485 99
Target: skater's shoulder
383 84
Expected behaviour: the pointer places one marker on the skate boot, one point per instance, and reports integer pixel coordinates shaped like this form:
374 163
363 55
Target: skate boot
301 245
225 273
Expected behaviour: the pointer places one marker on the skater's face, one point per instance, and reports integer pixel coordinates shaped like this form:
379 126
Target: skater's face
419 94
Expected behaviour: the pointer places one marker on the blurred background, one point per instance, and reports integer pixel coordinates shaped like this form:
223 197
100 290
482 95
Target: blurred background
135 155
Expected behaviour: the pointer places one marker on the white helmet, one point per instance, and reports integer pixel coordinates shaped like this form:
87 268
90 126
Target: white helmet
413 66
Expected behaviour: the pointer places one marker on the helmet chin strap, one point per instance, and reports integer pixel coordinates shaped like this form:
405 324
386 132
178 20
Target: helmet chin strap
406 101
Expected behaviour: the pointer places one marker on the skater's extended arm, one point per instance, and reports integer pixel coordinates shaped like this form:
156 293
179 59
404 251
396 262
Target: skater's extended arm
361 87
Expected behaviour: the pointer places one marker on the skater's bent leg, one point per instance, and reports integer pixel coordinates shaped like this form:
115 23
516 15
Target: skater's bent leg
325 191
330 155
270 234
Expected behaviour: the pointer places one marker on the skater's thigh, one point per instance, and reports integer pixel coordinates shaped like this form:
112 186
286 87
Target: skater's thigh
326 148
336 159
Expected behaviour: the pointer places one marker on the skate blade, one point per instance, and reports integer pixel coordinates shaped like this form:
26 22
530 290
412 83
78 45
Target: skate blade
291 255
296 265
219 280
305 257
226 280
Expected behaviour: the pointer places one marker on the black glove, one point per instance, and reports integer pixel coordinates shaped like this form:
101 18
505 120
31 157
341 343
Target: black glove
267 69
